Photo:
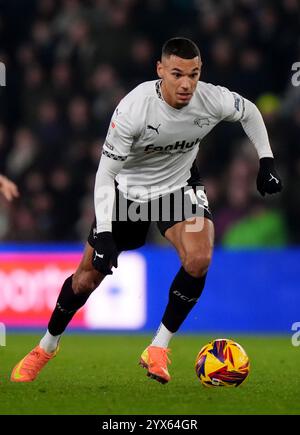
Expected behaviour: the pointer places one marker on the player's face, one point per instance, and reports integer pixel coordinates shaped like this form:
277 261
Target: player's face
180 77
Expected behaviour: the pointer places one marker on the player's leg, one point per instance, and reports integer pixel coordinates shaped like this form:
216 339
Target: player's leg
73 295
195 251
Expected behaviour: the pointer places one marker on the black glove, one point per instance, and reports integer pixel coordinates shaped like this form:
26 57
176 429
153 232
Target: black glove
268 181
105 253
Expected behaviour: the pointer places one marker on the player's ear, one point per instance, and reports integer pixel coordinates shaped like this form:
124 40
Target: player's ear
159 69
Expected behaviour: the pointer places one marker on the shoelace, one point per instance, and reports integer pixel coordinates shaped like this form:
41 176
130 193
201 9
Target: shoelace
163 358
39 361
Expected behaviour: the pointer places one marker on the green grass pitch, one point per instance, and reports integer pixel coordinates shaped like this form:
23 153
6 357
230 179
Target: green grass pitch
99 374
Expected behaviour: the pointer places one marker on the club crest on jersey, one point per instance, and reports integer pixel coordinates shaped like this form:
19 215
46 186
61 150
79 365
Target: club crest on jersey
201 122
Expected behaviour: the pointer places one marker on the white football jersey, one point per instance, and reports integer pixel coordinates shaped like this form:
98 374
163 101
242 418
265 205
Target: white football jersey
150 146
160 143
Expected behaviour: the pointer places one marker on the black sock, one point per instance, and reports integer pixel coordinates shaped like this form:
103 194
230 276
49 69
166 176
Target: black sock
184 294
66 306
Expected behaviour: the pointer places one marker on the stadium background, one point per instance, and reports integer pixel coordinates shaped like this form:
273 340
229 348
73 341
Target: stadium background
68 63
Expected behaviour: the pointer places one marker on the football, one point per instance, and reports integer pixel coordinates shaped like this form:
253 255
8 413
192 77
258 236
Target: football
222 363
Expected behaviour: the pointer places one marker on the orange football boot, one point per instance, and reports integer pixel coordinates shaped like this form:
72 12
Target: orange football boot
155 360
29 367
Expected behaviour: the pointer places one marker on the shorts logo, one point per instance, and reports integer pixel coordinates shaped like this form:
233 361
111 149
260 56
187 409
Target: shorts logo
201 122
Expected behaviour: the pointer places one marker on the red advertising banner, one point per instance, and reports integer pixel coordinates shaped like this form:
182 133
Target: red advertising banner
30 284
31 281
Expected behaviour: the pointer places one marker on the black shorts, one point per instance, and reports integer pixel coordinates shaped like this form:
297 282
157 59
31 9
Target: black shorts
131 233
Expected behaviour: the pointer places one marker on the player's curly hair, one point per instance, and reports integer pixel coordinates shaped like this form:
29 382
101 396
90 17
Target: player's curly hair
181 47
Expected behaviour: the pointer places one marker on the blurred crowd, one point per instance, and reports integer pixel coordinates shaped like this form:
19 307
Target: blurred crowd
69 62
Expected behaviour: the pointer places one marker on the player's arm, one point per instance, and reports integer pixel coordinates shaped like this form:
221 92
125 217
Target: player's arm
114 154
8 189
106 253
237 108
268 180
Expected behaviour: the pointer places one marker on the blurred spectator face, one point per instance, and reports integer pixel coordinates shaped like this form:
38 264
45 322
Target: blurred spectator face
79 32
25 55
48 112
240 27
222 53
238 188
268 20
61 75
210 23
291 5
24 224
42 203
71 5
250 59
142 51
118 17
237 195
24 139
41 34
60 179
34 182
46 8
33 76
104 78
78 111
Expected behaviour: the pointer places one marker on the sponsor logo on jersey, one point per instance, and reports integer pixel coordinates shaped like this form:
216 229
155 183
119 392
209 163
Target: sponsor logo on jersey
179 146
201 122
150 127
108 145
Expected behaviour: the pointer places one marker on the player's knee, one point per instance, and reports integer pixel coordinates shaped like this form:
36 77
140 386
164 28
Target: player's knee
197 264
85 283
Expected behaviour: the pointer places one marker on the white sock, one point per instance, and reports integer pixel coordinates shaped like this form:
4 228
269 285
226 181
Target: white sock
49 342
162 337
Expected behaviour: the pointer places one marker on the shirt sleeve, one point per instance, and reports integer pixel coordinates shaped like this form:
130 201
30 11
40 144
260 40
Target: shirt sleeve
254 127
104 192
120 135
115 150
236 108
232 105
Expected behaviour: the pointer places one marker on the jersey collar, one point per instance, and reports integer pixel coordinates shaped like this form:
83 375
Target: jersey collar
160 96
